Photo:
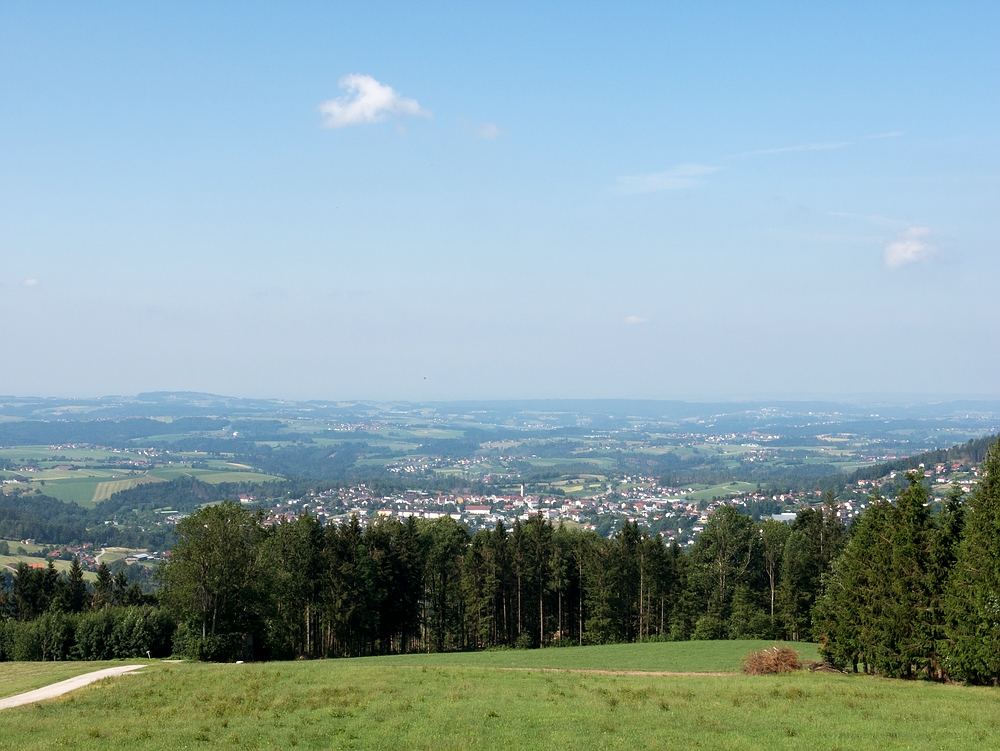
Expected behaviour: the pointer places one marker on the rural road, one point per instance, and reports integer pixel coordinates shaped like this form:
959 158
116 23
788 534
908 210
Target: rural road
64 687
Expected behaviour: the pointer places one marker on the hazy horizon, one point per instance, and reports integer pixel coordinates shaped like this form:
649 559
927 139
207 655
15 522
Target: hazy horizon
856 401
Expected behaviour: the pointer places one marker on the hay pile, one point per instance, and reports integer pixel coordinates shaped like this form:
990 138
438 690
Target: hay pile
771 661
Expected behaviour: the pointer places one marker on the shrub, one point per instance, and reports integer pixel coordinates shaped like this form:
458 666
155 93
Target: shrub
113 633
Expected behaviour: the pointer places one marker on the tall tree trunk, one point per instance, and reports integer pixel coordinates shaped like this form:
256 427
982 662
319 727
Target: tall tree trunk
580 598
541 616
519 606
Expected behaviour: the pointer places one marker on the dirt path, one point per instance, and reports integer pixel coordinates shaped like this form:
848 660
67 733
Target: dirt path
584 671
613 672
64 687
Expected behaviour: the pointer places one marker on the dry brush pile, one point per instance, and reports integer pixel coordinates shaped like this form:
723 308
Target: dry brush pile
772 661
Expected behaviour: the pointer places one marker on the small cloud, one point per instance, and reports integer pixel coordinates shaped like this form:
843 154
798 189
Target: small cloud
681 176
633 320
910 246
366 101
489 131
30 282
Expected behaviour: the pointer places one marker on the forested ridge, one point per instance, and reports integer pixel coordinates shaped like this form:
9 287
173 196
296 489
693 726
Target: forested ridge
974 450
51 521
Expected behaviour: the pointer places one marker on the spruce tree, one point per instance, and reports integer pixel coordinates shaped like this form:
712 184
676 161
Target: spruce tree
972 597
846 617
76 587
878 608
908 615
103 587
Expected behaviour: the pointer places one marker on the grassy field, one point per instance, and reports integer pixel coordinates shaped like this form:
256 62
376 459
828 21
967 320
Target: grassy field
32 454
212 477
109 555
89 486
721 491
77 490
85 486
675 657
18 677
105 490
7 561
448 702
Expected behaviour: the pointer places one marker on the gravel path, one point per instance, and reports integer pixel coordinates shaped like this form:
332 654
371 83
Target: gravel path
64 687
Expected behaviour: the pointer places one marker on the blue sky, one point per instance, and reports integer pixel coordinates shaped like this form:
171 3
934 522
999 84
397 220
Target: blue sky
446 201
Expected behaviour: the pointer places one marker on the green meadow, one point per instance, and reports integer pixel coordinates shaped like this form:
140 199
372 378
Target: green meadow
88 487
673 657
534 699
18 677
211 476
10 562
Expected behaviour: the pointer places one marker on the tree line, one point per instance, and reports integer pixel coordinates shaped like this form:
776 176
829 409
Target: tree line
48 615
916 593
298 589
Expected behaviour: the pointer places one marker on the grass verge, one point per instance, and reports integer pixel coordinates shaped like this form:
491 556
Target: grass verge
18 677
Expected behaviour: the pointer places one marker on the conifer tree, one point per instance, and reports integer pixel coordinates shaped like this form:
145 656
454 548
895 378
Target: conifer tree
908 616
846 616
103 587
76 594
972 598
879 605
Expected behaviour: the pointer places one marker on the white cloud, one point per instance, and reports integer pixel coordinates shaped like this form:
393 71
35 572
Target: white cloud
681 176
489 131
366 101
30 282
633 320
910 246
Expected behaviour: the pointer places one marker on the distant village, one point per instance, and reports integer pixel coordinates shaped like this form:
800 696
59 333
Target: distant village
667 510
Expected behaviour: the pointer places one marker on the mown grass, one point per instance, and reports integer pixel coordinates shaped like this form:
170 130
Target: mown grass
105 490
370 704
213 477
675 657
18 677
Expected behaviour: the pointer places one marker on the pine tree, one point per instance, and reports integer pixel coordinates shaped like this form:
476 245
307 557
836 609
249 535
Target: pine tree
908 616
103 587
76 587
878 609
846 617
972 598
120 588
